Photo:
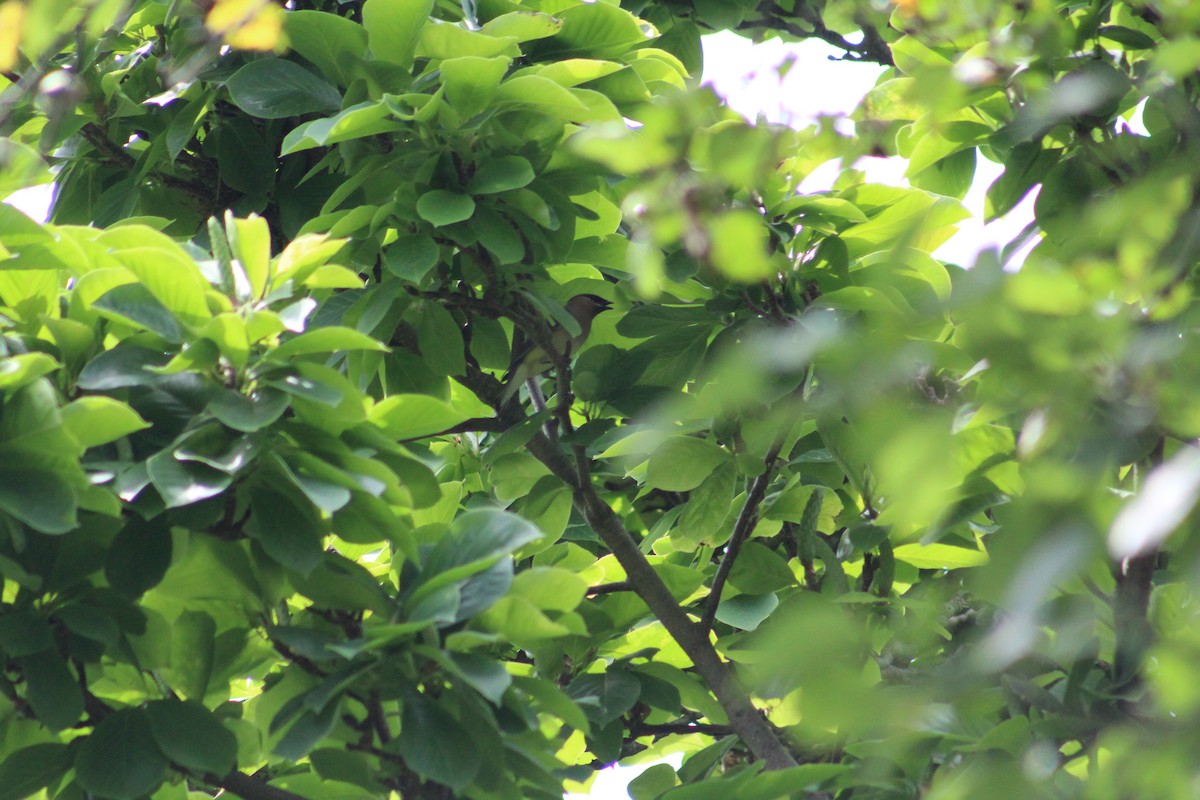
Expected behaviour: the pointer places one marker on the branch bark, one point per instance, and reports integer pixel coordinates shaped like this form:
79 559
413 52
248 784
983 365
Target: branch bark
744 719
872 47
96 136
248 787
741 532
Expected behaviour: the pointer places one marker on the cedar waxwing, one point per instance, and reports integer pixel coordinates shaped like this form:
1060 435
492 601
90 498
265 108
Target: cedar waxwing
530 360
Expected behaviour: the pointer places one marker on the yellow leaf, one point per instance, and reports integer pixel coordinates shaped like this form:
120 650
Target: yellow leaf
11 15
247 24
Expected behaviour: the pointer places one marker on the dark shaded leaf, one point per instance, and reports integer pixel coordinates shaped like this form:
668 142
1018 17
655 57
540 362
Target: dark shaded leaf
433 743
28 770
120 760
273 88
192 736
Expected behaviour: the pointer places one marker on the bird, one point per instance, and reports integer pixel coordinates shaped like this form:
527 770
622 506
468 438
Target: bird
530 361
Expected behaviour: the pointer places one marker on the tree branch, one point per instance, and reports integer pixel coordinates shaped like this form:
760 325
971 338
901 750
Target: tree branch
609 588
741 532
249 787
1131 604
99 140
670 728
485 424
872 48
745 720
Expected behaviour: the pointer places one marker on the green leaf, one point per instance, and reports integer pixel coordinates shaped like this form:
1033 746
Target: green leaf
342 584
522 623
245 160
1128 37
411 257
28 770
331 42
393 27
251 412
410 416
90 622
498 235
476 540
19 370
139 556
120 760
250 240
552 699
596 30
20 167
273 88
471 81
746 785
135 304
440 207
1023 170
523 26
952 176
287 530
485 675
43 500
318 787
708 509
182 483
550 589
500 175
53 692
607 695
192 736
652 782
574 71
124 365
682 463
445 41
939 556
739 246
758 569
440 340
356 122
746 611
535 93
99 420
193 646
435 745
327 340
24 632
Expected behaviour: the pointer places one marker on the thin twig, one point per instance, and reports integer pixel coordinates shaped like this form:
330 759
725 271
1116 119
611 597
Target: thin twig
747 517
673 728
609 588
474 425
744 719
99 140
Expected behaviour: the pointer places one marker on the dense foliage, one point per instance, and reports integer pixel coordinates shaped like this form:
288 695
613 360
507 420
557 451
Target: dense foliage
813 510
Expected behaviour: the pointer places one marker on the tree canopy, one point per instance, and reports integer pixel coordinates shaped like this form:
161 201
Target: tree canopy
812 510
